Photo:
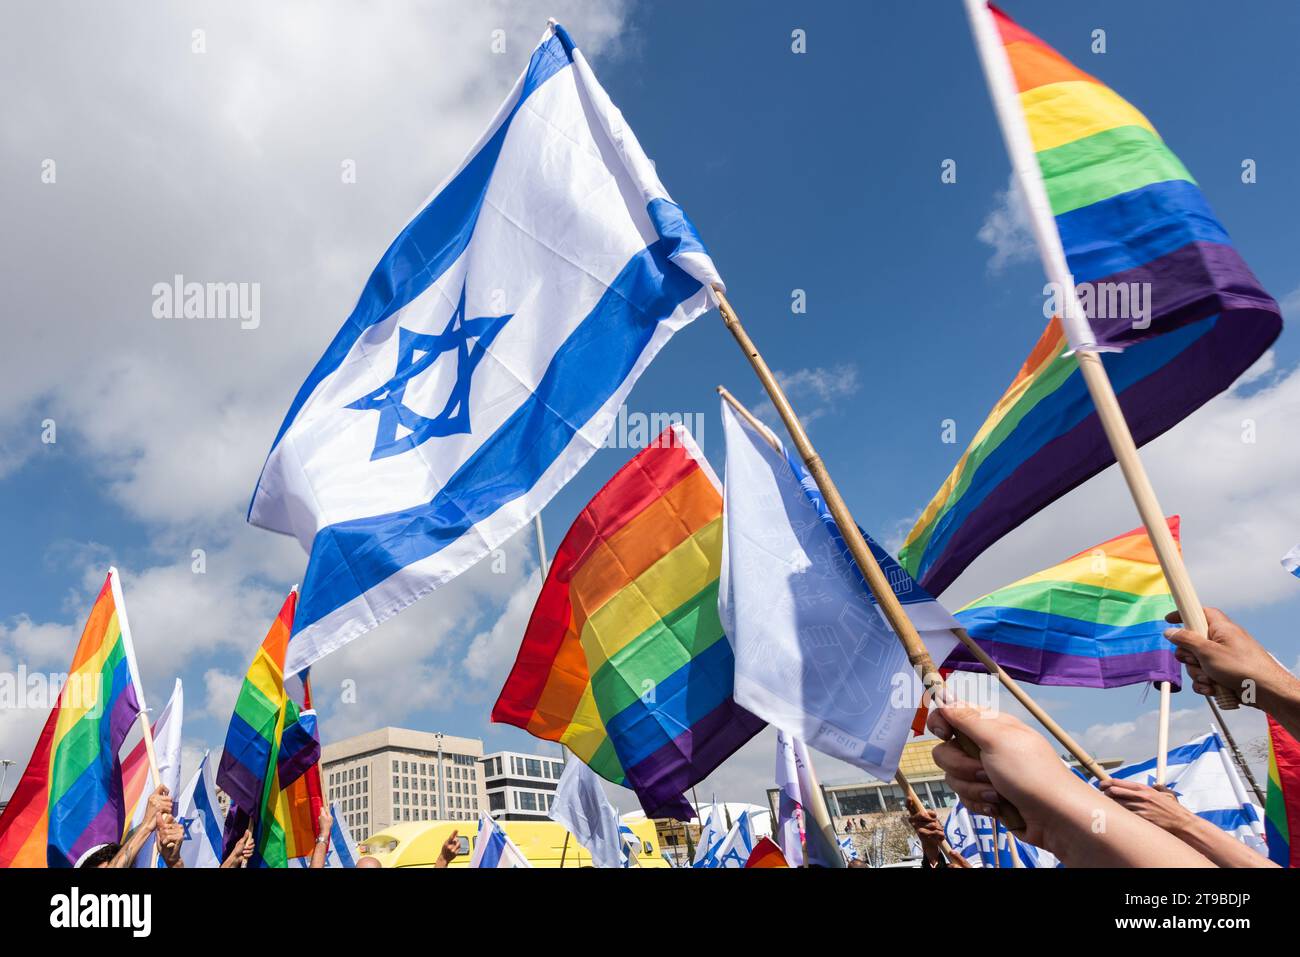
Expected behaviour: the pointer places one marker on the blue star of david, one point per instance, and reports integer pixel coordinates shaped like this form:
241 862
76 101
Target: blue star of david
185 823
402 429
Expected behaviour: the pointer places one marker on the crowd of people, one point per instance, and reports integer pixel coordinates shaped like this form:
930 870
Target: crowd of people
1118 824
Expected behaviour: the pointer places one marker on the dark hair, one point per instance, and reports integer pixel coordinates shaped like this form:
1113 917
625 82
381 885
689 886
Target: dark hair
101 855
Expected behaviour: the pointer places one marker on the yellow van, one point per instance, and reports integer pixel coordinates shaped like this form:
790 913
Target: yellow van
418 843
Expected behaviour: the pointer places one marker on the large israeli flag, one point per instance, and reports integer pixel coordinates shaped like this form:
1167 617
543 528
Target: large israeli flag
493 847
486 358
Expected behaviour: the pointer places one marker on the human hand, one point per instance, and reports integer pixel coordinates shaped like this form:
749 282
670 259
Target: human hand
241 852
1016 766
1227 655
450 850
159 803
927 827
171 835
324 822
1158 805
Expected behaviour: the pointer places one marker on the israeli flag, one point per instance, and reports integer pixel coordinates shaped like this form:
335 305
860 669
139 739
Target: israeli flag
738 845
200 814
1291 562
712 834
493 848
487 357
984 842
1204 779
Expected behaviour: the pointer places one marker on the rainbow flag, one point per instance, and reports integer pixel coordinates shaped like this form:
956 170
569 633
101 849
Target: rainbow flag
624 660
70 797
1130 217
766 854
270 766
1096 620
1282 804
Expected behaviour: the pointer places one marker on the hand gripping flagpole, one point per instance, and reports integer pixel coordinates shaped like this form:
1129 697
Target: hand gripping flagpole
1002 89
917 654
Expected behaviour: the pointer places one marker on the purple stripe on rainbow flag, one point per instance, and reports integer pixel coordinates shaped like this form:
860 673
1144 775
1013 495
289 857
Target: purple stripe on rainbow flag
662 778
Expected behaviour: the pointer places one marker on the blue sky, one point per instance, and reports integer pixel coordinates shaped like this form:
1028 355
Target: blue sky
817 171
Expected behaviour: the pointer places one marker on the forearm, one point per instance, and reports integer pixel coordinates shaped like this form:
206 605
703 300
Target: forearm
1091 830
125 857
1280 698
1217 845
318 854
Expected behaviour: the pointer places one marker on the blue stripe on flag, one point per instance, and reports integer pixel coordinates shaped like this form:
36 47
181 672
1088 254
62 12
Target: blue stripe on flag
1061 635
431 242
350 558
1183 754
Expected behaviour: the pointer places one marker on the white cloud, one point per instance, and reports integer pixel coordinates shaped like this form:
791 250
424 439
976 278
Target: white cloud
813 392
492 652
1006 229
1135 740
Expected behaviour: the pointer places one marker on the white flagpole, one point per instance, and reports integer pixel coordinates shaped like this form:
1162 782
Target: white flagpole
1024 161
119 603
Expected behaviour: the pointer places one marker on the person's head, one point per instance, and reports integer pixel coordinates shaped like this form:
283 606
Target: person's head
101 856
368 862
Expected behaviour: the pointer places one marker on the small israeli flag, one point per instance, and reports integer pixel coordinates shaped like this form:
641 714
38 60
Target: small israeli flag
1291 562
487 357
493 848
199 813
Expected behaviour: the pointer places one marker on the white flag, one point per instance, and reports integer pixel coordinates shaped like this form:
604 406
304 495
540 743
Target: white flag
167 749
789 800
200 814
487 357
814 655
581 806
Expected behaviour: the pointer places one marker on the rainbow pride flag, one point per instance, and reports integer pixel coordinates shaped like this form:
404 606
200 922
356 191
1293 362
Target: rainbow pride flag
270 766
1130 218
624 660
70 797
1096 620
766 854
1282 804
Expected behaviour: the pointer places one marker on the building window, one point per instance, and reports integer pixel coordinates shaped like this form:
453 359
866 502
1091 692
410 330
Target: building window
527 801
496 801
534 767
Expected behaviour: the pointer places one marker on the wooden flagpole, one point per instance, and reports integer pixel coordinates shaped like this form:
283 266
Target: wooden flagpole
917 654
1085 759
119 604
1002 89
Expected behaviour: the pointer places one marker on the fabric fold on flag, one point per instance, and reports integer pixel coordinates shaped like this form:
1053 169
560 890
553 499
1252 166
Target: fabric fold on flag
814 656
1096 620
1159 280
624 660
487 357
